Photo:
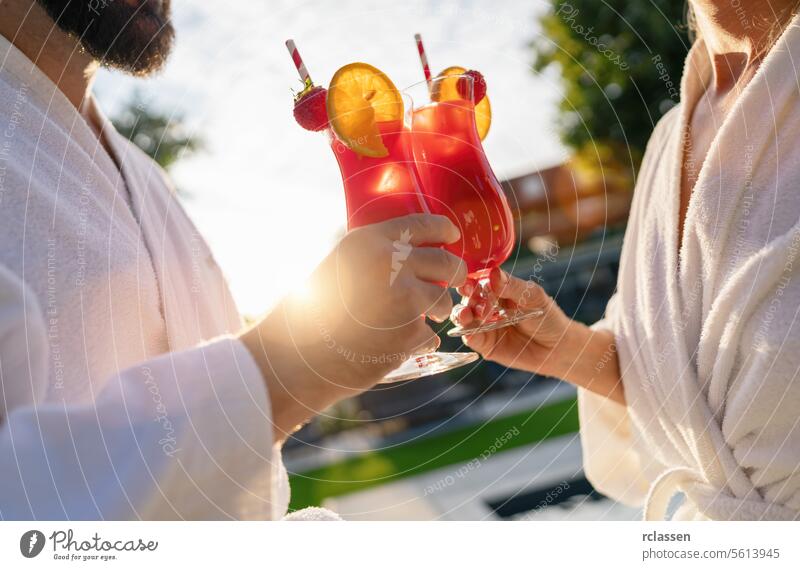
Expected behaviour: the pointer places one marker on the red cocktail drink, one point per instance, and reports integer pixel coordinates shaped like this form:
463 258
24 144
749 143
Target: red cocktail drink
378 189
458 182
381 188
367 123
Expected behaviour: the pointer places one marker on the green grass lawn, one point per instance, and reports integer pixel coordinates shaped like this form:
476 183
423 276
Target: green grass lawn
375 468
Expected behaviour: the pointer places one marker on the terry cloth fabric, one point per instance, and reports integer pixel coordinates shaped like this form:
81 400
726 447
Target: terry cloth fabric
708 338
123 395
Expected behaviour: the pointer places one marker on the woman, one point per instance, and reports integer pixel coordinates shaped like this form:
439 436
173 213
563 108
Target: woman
690 384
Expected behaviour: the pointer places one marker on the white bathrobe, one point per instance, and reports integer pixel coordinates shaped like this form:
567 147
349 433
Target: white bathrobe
122 398
709 339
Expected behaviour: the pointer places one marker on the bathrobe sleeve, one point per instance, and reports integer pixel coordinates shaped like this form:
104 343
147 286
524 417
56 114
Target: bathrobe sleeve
615 459
186 435
612 460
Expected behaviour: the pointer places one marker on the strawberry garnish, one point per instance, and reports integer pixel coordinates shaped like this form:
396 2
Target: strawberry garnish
478 86
309 108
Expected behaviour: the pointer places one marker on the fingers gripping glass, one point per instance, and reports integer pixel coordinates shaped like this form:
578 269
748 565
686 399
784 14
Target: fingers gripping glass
496 316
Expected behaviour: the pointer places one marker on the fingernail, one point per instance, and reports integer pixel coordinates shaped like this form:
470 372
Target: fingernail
456 230
480 307
469 289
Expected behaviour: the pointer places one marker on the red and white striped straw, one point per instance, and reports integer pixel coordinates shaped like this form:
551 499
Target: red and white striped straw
424 59
298 62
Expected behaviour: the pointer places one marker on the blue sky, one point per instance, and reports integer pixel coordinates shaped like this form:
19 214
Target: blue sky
266 194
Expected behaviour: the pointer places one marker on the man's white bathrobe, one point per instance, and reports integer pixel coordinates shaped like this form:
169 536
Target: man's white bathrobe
121 395
709 338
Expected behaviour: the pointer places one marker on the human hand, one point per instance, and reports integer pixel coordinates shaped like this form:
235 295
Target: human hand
362 314
550 345
529 344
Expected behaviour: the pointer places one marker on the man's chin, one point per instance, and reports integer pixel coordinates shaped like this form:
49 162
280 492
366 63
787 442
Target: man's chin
134 36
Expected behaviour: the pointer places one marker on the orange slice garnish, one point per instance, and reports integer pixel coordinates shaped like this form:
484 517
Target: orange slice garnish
359 97
446 90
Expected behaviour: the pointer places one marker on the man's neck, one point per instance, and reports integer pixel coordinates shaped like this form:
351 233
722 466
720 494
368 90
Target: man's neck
59 56
738 35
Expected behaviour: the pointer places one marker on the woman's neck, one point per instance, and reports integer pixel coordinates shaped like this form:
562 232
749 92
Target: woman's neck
738 34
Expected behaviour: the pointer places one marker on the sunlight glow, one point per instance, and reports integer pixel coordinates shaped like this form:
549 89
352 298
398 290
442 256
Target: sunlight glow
267 195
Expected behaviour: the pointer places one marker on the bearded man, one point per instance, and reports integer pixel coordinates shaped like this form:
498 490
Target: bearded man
129 387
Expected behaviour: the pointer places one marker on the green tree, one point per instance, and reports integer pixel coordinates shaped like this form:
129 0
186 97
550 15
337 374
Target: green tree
620 64
162 136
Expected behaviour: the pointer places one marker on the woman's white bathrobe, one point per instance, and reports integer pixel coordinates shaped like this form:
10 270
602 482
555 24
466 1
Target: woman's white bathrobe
709 339
121 396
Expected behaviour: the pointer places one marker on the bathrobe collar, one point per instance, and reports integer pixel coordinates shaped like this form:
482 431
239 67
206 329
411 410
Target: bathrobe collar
196 302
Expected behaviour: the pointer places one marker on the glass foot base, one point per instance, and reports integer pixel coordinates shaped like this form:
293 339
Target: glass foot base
497 320
428 365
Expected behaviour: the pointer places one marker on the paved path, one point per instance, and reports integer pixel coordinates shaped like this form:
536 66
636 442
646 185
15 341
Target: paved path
463 492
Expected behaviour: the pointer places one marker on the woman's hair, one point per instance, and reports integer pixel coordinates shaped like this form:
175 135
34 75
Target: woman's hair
691 22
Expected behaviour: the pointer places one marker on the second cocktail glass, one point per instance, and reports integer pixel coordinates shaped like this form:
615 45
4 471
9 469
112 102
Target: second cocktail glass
458 182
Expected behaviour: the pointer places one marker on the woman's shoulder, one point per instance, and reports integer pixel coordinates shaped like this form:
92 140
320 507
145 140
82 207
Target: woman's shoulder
657 148
665 125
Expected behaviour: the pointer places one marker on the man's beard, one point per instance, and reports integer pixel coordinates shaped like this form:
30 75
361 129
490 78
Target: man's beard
131 35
